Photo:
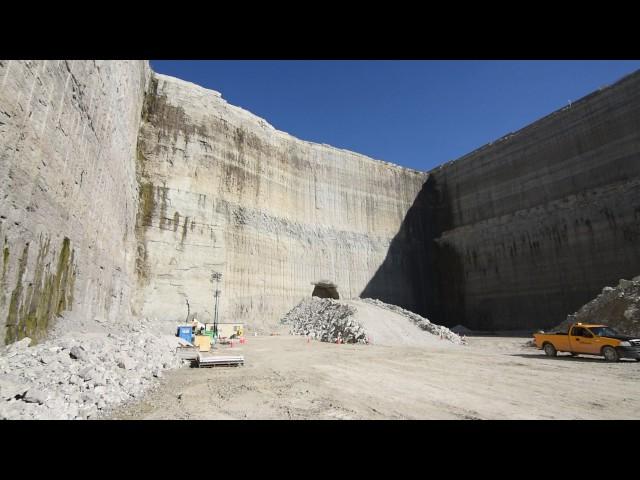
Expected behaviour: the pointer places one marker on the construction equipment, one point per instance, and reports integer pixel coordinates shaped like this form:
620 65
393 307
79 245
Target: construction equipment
186 333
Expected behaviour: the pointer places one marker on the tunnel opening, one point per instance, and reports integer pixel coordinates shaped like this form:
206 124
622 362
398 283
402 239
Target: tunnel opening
325 290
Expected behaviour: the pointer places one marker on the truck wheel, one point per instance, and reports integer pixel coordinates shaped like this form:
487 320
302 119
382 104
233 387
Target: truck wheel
610 354
550 350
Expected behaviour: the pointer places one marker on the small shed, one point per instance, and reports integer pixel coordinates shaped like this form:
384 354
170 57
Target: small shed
228 330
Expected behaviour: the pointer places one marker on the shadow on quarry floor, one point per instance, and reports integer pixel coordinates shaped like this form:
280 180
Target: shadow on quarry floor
502 333
562 357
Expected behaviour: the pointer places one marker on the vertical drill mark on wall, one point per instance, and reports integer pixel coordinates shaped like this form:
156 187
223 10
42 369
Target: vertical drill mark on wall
47 109
27 110
176 221
64 91
184 231
162 195
6 73
16 108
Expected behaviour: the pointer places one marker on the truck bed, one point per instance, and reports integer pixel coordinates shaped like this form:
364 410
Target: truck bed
560 340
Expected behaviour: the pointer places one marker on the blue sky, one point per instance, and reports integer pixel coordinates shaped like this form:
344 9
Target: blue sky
418 114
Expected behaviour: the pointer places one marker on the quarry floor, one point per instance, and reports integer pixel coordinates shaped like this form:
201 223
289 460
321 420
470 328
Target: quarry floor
285 377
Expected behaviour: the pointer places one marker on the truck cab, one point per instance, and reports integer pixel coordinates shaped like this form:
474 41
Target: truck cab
590 339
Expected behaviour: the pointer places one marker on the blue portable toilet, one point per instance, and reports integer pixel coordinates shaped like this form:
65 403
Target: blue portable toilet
184 332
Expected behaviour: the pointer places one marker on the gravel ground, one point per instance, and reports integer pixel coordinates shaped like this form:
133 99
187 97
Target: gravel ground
288 377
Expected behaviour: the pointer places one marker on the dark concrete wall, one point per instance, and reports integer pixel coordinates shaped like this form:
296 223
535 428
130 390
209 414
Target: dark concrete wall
529 228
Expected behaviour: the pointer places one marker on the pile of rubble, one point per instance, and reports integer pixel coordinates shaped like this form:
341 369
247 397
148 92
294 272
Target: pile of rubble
618 307
326 320
423 323
83 374
334 321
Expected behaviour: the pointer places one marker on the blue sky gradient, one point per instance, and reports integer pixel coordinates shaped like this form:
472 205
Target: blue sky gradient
418 114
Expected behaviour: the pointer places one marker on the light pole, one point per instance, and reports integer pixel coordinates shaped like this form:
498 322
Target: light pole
217 276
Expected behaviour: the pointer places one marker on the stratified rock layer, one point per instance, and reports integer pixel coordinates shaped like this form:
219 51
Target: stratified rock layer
224 191
529 228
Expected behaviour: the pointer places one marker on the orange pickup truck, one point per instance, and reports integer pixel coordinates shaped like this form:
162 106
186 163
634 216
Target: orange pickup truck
590 339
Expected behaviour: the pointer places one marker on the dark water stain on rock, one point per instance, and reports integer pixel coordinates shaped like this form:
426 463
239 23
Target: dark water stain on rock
168 119
146 205
162 196
5 265
11 334
35 304
5 258
184 230
176 221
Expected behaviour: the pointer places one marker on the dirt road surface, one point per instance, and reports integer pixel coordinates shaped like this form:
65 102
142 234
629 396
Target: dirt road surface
286 377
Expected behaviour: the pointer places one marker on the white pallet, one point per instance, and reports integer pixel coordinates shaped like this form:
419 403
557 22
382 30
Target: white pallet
212 361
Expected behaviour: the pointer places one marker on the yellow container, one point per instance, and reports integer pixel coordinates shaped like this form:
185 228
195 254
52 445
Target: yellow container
203 342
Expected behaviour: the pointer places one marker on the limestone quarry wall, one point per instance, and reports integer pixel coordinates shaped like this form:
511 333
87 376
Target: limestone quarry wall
68 196
223 191
531 227
123 191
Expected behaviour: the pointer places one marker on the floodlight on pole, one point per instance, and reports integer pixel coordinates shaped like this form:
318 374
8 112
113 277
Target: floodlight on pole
216 276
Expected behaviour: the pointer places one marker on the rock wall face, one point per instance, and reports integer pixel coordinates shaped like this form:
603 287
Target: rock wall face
529 228
223 191
68 196
123 191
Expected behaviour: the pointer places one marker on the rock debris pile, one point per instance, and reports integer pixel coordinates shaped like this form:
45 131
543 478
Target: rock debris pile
618 307
82 375
331 320
326 320
423 323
